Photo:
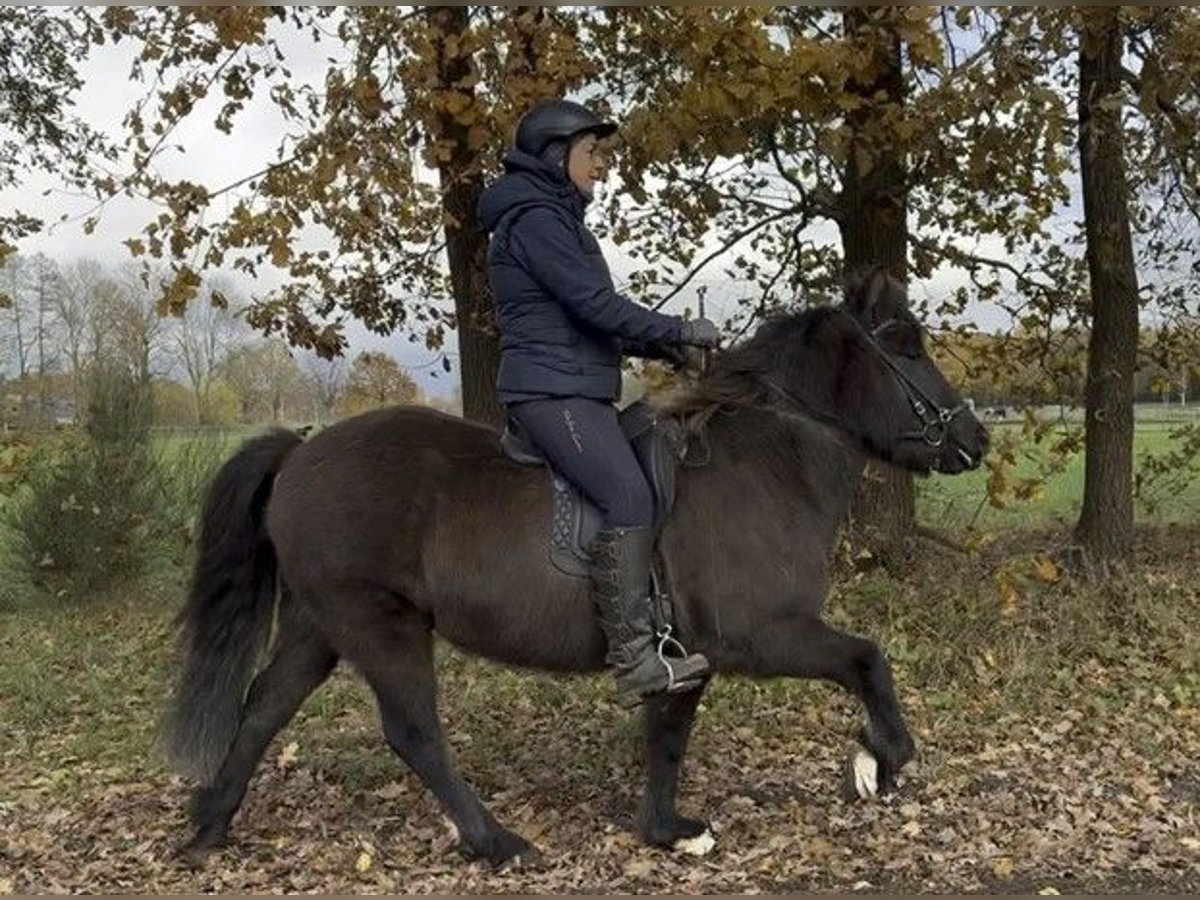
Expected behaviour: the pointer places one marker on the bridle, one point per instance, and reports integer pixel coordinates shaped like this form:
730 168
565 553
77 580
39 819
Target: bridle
935 419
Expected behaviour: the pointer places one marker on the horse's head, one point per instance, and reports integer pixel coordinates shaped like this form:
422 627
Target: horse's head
862 365
907 411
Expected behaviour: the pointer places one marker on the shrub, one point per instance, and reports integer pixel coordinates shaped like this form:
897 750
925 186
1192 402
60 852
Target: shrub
81 520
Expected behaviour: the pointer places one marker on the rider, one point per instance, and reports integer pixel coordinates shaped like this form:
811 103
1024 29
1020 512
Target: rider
564 330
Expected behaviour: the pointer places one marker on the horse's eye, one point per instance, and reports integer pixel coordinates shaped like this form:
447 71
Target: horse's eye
901 337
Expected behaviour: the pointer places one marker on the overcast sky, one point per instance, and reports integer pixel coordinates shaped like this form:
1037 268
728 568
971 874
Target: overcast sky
215 160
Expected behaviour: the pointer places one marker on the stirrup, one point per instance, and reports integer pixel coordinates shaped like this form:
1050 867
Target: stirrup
664 640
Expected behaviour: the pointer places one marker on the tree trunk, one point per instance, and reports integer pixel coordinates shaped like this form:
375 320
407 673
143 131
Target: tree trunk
466 246
22 361
197 402
874 228
1105 528
43 413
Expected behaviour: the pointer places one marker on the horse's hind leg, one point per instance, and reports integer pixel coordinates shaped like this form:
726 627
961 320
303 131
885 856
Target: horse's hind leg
302 660
668 725
805 647
401 673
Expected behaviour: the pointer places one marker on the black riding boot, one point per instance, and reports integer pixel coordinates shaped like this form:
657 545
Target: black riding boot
620 574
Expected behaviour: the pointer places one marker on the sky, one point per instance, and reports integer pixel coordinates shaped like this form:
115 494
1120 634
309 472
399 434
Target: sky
210 158
216 160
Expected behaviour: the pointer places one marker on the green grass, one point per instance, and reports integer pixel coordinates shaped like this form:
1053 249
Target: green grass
89 681
955 502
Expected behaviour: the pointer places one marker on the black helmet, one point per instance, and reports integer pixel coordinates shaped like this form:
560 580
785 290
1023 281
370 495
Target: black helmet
557 120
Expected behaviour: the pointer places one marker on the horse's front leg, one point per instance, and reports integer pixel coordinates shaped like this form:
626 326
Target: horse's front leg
668 723
805 647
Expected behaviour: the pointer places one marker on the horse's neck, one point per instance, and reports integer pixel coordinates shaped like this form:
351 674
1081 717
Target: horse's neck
807 463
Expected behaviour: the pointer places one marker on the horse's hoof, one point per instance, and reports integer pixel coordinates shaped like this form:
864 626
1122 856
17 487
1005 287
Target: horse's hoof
892 754
528 860
861 778
507 851
196 852
670 833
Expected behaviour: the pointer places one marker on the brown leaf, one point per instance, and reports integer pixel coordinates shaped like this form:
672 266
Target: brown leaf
287 756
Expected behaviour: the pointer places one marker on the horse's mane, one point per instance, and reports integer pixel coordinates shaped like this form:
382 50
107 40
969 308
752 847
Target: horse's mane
733 378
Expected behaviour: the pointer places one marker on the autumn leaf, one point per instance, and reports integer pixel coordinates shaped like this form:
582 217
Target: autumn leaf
281 251
287 756
639 868
1007 591
1047 571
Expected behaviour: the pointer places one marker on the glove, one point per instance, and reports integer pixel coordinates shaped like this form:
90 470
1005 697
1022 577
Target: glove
699 333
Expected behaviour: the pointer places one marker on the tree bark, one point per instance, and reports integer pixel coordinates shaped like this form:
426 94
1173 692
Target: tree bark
461 180
873 220
1105 528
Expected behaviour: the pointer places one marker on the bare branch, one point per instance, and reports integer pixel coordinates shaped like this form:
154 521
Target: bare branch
958 255
729 244
813 204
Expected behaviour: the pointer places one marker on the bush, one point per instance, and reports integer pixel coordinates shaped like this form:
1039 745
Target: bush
79 524
81 521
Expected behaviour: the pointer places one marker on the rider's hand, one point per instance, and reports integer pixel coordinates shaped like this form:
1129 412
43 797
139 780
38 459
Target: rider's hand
699 333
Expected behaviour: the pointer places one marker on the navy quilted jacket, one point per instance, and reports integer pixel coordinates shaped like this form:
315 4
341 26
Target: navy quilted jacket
563 326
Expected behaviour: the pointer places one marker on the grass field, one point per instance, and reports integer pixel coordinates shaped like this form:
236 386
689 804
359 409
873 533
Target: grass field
952 503
949 503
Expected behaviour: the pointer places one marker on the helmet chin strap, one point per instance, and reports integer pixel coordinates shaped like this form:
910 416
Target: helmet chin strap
554 154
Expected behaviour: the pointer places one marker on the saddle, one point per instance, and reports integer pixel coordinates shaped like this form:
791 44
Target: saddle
657 442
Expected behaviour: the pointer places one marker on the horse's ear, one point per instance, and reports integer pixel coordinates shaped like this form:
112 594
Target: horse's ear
868 291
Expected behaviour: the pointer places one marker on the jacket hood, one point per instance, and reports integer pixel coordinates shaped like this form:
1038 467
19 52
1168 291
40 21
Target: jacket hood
527 181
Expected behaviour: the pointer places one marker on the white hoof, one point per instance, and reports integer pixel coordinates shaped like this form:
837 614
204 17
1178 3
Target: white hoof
863 776
700 845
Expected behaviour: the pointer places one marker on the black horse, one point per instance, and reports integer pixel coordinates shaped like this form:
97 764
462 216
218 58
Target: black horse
361 542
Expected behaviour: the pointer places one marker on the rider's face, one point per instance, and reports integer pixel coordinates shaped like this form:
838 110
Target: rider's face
585 164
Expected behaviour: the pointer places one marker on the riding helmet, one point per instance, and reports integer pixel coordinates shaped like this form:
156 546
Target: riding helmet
557 121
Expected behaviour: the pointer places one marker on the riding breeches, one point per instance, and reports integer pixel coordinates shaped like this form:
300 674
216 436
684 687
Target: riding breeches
583 442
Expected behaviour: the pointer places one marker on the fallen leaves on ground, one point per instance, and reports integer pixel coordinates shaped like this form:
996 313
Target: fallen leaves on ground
1094 789
992 804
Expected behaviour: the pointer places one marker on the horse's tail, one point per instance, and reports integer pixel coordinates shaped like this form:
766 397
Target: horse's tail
226 621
